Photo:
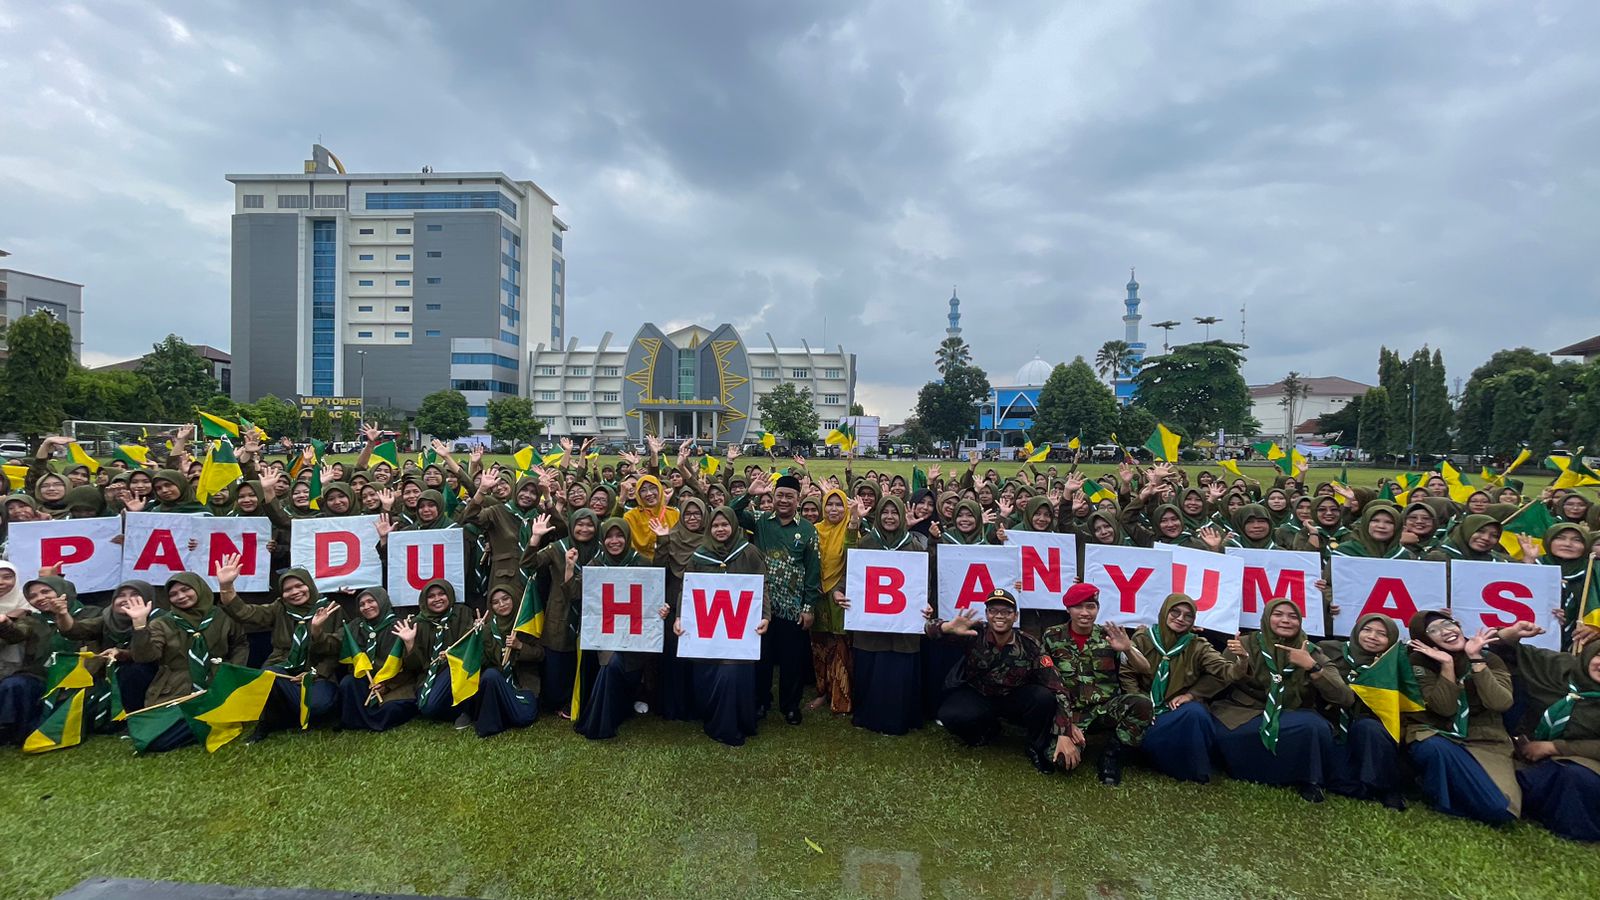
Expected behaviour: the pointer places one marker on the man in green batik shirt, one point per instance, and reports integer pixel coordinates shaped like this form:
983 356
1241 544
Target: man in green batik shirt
793 586
1090 659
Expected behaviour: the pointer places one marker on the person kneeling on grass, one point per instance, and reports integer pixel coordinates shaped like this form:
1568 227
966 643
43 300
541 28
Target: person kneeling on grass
1090 659
1458 741
386 696
1561 785
725 689
39 631
508 688
305 643
182 641
1186 673
1266 729
440 623
1366 760
1005 674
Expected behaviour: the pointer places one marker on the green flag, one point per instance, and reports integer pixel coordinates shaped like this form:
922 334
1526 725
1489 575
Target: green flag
63 727
388 452
235 698
1389 687
145 725
466 662
1534 521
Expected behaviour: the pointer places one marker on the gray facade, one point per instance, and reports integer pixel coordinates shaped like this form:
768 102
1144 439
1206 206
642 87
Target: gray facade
265 328
23 294
659 401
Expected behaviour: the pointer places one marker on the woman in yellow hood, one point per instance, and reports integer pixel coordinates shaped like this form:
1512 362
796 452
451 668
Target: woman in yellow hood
652 506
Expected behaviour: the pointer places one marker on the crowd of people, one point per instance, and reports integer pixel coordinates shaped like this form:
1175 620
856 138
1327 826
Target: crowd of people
1506 730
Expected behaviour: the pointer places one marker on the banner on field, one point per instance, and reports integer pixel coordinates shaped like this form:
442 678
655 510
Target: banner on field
969 573
1049 566
1274 574
1133 581
86 550
1396 588
340 552
622 608
1496 594
887 590
1214 581
418 557
156 546
719 614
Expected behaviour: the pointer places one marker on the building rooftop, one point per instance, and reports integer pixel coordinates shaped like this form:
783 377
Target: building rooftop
206 351
395 178
1587 347
1331 385
40 277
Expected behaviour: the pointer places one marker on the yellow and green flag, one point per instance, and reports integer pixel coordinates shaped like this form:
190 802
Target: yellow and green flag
1388 687
530 613
1076 443
389 453
235 699
766 439
217 427
524 460
1163 444
1097 492
68 671
1532 520
81 457
134 456
221 469
145 725
1033 454
709 464
843 437
466 662
352 655
63 726
1231 466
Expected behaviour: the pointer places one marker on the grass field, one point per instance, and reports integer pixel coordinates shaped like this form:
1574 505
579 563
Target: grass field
664 811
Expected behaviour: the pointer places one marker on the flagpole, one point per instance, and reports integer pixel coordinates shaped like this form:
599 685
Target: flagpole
173 702
1525 508
1583 597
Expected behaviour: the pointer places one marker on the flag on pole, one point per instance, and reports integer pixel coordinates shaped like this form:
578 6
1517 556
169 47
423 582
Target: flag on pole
530 613
81 457
351 654
766 439
1035 455
466 662
523 459
1097 492
220 470
1532 520
709 464
235 699
1388 687
1077 442
1163 444
843 437
1231 467
217 427
133 456
388 452
145 725
62 727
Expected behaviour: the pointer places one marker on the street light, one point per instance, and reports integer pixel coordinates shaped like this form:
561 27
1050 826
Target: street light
363 413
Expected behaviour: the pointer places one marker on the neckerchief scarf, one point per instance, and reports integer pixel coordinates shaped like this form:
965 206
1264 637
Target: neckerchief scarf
440 628
719 554
1158 681
199 654
891 540
1458 726
1278 674
1554 721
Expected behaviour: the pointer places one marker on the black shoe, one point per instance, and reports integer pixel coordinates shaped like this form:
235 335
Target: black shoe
463 721
1041 761
761 711
1111 765
257 736
1395 800
1312 793
792 717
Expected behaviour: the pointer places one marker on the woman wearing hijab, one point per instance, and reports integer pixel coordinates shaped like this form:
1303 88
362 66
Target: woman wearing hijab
652 506
830 646
182 640
112 631
37 630
173 493
887 685
1266 729
564 561
440 623
725 690
1458 741
381 693
1366 760
1186 672
305 629
608 681
1475 537
1561 784
1253 528
508 683
1571 547
1420 529
11 602
675 547
50 494
1376 535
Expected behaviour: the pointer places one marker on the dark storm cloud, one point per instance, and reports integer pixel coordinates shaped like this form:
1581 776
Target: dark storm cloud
1354 175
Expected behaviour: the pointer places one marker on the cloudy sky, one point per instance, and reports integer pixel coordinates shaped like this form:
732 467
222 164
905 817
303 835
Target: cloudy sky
1351 173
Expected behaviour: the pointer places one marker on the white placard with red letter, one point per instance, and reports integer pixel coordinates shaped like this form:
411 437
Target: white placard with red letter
84 548
719 615
418 557
887 590
622 608
339 552
968 574
1049 566
1496 594
1214 581
1396 588
155 546
1133 581
1273 574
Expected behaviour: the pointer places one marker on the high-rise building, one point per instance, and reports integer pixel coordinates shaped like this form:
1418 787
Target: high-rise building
392 285
23 294
1122 383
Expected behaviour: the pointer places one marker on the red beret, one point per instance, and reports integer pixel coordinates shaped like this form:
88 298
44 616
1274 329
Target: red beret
1080 593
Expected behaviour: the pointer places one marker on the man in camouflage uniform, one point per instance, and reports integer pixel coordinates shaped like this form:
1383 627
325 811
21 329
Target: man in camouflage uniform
1005 674
793 586
1090 658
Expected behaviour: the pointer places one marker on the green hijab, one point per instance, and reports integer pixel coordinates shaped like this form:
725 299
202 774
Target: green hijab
85 497
1245 514
1360 542
952 535
185 503
1458 545
628 556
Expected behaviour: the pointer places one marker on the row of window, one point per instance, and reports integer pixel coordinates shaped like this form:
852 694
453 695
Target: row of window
484 359
443 200
772 372
482 384
583 422
582 396
404 308
398 282
396 231
581 371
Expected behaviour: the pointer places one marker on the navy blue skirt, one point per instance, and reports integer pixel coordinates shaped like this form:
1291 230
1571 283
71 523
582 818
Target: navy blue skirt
1304 754
1366 765
675 683
886 691
1455 784
726 693
1181 743
501 706
355 713
1563 797
20 699
133 681
608 702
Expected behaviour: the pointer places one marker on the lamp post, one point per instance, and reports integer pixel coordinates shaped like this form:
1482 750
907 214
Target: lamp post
363 355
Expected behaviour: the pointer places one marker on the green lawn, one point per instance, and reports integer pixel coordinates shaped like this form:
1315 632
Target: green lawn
663 811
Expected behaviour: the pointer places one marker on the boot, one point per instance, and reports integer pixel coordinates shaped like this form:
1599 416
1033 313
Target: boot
1111 764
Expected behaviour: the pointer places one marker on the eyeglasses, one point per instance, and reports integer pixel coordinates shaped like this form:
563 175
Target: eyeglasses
1001 613
1441 626
1179 615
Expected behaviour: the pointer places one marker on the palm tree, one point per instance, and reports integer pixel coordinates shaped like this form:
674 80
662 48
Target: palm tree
952 352
1207 321
1166 332
1115 358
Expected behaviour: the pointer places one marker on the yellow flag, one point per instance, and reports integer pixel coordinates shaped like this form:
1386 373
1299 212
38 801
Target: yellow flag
524 459
81 457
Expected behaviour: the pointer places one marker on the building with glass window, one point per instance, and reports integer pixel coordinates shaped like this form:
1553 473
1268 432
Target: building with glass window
391 286
696 382
23 294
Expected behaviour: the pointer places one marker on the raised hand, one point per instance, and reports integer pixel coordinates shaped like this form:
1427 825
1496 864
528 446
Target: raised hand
385 526
1477 642
1212 536
962 624
1117 637
1075 482
476 453
1299 657
138 610
659 527
655 444
933 473
386 498
371 433
566 445
406 630
134 504
321 616
227 570
1215 491
733 453
327 474
269 483
1430 651
538 528
1516 631
1005 506
1236 645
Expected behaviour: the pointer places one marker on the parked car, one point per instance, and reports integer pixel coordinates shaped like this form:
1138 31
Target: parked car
13 448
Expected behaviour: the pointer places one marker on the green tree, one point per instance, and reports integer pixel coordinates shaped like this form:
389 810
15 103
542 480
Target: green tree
1434 414
34 385
1343 424
1114 359
1558 409
1074 401
387 418
857 409
181 376
443 415
321 424
1197 387
511 421
1134 424
1516 400
1372 431
278 418
786 411
1295 390
917 436
953 352
1475 414
115 395
221 405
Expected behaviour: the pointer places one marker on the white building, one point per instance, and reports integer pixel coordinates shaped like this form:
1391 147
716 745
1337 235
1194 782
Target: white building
1327 395
391 285
692 382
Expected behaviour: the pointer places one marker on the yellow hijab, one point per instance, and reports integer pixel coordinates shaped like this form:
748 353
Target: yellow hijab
831 539
640 517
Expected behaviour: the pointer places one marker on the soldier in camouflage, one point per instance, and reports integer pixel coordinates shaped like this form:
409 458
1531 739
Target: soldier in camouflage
1090 658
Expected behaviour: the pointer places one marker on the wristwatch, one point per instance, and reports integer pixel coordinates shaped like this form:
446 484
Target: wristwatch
1314 669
